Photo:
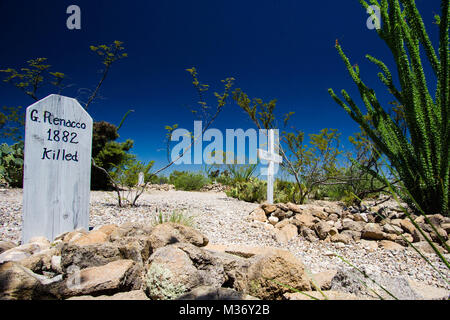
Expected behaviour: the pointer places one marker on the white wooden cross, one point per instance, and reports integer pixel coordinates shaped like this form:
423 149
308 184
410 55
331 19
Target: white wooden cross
271 157
141 179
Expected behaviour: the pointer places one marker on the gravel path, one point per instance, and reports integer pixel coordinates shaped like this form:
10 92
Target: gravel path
222 220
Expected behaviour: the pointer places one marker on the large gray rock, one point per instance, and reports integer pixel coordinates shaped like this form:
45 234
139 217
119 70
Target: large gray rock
372 231
26 250
89 256
268 274
351 281
170 233
114 277
6 245
351 225
19 283
179 268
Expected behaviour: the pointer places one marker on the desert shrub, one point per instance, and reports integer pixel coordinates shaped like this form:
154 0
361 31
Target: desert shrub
175 217
11 164
154 179
161 284
126 177
254 190
416 143
285 191
188 181
107 154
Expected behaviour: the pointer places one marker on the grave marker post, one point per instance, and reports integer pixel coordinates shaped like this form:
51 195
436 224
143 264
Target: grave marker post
57 168
271 157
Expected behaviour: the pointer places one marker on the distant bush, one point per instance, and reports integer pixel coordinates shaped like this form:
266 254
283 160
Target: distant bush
254 190
188 181
158 180
11 164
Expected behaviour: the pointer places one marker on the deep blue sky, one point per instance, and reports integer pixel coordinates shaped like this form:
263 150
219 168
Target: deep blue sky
281 49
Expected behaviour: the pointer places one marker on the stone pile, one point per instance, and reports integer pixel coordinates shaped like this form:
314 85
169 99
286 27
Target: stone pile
166 261
160 187
216 187
332 223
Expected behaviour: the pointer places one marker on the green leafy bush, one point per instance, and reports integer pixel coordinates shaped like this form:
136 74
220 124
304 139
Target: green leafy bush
286 191
188 181
254 190
417 143
158 179
11 164
107 154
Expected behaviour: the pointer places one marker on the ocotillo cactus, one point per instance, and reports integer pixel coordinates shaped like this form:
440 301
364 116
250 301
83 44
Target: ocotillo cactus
421 155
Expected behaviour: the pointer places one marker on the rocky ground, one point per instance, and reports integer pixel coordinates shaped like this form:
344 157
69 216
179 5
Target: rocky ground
225 222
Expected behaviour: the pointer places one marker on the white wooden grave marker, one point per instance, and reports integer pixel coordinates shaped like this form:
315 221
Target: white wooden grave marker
57 168
271 157
141 179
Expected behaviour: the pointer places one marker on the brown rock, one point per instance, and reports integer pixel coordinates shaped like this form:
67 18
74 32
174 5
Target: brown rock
68 236
179 268
258 215
269 208
349 224
6 245
441 232
323 279
89 256
318 213
283 223
16 283
21 252
424 246
169 233
436 219
397 222
280 214
407 226
41 261
322 229
333 217
305 219
445 226
372 231
309 234
355 235
389 245
391 229
294 207
108 229
282 206
273 220
114 277
93 237
369 245
287 233
268 270
342 238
